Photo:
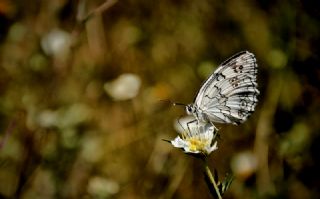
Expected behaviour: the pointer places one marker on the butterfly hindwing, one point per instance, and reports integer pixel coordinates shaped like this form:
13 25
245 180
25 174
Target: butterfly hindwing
229 95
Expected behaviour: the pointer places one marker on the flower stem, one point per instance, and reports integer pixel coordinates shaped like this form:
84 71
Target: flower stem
213 182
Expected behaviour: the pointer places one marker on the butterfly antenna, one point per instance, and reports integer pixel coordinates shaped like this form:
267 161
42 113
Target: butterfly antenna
167 102
178 104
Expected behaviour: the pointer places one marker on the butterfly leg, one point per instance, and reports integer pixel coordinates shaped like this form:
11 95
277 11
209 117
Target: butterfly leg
181 124
216 133
190 122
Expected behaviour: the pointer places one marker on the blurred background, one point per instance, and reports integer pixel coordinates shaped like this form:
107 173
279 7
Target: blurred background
85 89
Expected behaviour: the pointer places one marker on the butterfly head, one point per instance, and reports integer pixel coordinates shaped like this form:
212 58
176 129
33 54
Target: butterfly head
190 109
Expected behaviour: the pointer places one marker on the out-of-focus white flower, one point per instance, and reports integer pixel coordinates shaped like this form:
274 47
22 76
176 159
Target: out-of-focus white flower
244 164
125 87
102 188
197 139
57 43
64 117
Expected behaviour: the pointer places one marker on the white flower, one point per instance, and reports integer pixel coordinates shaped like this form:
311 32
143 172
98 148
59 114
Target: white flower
197 139
57 43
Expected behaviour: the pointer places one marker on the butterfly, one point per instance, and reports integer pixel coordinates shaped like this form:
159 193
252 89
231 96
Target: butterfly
229 95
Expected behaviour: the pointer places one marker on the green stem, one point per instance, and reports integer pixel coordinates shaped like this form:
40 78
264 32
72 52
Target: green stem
209 174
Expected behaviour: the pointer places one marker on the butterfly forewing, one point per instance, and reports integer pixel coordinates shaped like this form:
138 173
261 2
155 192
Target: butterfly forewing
230 94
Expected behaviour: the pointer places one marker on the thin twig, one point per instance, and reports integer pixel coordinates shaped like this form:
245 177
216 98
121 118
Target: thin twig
9 130
264 130
103 7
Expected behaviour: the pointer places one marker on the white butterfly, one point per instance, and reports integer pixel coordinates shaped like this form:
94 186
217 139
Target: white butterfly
229 95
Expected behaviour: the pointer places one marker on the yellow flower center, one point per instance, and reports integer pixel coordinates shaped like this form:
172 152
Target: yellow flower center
196 144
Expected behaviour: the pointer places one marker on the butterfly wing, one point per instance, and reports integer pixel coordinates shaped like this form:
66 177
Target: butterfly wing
229 95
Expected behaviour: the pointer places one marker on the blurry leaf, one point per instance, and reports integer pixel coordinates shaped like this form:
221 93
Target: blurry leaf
291 90
224 186
277 58
296 140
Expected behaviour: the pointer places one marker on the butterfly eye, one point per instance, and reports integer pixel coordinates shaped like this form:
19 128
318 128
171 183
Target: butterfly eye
189 109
